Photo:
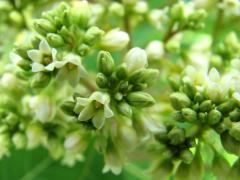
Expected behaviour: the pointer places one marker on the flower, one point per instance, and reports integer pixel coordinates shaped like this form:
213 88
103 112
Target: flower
155 50
136 58
43 57
115 40
96 108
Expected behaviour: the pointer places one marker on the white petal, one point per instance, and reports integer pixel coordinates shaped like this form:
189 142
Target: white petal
36 67
214 75
44 47
98 119
15 58
107 112
87 113
100 97
50 67
35 55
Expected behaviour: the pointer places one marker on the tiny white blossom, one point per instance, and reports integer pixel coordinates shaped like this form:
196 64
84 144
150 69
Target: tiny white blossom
136 58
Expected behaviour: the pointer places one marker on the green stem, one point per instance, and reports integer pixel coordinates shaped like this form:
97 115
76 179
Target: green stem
128 29
218 23
37 170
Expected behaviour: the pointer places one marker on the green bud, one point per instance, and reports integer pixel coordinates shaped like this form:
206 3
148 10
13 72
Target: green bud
118 96
214 117
150 76
83 49
230 144
177 11
173 46
178 116
117 9
16 18
139 87
137 76
140 99
189 114
174 82
121 71
235 130
176 136
19 140
227 107
55 40
206 106
43 26
189 89
24 64
68 107
198 97
202 116
198 15
40 80
123 86
235 115
101 80
125 109
93 35
179 100
186 156
105 63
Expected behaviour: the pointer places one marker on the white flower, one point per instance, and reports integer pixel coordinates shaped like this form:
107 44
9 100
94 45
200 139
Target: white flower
115 40
158 17
113 162
96 108
43 57
136 58
15 58
141 7
71 69
42 107
9 81
155 50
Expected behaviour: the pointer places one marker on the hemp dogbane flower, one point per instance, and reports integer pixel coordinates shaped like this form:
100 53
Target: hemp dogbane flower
43 57
96 108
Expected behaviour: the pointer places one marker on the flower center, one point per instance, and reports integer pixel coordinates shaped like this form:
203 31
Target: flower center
97 105
47 59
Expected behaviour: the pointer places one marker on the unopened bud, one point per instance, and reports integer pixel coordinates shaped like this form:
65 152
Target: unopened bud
186 156
140 99
19 140
115 40
180 100
155 50
227 107
189 114
105 63
40 80
235 115
68 107
235 130
125 109
93 35
206 106
214 117
44 26
176 136
101 80
117 9
55 40
121 71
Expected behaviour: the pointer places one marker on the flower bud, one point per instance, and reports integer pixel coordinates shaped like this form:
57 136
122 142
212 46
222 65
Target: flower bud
68 107
179 100
176 136
16 18
230 144
83 49
155 50
101 80
117 9
235 130
189 88
136 76
125 109
19 140
173 46
227 107
93 35
150 76
186 156
174 82
20 62
118 96
105 63
44 26
135 59
235 115
9 81
214 117
40 80
141 7
121 71
189 114
115 40
140 99
206 106
129 2
34 133
177 12
55 40
198 97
